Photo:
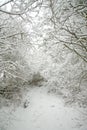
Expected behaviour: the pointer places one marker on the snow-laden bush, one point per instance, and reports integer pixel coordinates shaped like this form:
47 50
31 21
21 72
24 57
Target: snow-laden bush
69 79
14 71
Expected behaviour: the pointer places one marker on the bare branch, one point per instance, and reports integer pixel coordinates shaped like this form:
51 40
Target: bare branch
6 3
12 13
12 35
82 57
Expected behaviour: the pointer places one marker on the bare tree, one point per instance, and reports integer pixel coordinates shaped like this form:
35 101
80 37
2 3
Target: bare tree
13 67
69 19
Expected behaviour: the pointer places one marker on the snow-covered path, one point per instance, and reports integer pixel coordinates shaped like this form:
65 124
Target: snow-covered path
45 112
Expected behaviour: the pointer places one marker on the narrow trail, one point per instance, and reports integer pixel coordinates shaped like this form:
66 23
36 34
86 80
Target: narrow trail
45 112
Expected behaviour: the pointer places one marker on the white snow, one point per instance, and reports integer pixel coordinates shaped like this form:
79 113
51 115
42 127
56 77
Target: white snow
44 112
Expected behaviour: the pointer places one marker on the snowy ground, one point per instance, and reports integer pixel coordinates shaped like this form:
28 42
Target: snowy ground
44 112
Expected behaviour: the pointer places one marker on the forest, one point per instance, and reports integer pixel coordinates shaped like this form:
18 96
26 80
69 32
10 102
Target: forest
43 62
